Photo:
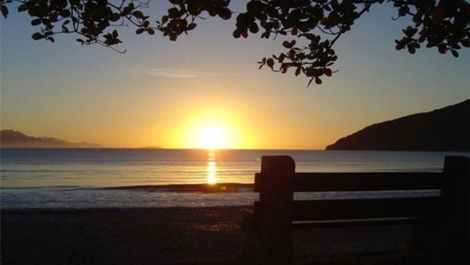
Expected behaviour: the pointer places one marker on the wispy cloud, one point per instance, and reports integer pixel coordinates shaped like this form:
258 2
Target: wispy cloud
173 73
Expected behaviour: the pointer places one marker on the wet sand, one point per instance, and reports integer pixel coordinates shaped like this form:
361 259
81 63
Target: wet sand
162 236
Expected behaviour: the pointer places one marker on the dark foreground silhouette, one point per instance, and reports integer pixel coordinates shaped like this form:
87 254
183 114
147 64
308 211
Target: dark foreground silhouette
440 222
445 129
177 236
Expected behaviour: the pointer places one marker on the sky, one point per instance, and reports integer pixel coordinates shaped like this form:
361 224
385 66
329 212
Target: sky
205 89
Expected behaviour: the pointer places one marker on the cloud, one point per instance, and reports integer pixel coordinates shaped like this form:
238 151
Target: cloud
173 73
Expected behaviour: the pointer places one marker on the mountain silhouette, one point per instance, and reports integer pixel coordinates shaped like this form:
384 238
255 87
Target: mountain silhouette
445 129
12 138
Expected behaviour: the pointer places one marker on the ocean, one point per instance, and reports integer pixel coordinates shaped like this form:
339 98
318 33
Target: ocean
108 178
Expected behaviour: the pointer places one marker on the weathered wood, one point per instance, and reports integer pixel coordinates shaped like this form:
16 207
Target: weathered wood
445 218
358 181
315 210
275 225
365 208
457 194
357 223
366 181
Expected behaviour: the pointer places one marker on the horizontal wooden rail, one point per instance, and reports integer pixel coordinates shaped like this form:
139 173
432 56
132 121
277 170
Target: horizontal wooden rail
359 222
277 212
359 181
361 208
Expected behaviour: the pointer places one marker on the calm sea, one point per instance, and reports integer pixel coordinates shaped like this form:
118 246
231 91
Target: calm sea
89 178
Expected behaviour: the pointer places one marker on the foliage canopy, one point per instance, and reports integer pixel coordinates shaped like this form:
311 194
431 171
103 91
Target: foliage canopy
314 25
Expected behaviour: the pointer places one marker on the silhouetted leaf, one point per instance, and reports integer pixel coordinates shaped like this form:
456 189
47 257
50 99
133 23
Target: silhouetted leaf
138 14
284 68
328 72
236 34
37 36
225 13
4 10
65 13
36 21
288 44
245 33
254 28
23 7
403 11
191 26
127 10
270 62
466 43
442 49
297 71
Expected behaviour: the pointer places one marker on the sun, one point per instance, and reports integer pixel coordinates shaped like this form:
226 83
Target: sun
212 138
211 131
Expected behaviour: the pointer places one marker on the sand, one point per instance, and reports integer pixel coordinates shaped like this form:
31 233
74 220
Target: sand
161 236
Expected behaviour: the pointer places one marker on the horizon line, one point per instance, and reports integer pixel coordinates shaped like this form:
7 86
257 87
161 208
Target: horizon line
161 148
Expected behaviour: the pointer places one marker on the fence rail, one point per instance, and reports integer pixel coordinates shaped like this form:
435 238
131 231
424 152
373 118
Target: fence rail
277 213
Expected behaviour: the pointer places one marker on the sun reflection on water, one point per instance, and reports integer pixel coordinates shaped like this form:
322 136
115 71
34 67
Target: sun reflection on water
211 168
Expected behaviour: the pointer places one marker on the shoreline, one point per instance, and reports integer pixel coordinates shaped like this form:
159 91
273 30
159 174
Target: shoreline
115 209
178 235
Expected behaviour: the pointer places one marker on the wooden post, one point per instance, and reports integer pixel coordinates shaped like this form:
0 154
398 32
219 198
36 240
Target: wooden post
457 194
276 203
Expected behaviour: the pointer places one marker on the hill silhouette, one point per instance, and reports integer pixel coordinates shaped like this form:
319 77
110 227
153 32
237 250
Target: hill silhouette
12 138
445 129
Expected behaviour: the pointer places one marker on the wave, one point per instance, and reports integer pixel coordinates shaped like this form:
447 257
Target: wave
203 187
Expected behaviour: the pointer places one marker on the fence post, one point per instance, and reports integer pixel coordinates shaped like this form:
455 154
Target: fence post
457 194
276 219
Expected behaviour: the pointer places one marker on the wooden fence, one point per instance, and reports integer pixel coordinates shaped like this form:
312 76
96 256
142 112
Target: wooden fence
276 213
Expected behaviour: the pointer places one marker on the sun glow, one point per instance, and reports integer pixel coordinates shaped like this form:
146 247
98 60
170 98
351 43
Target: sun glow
206 130
212 138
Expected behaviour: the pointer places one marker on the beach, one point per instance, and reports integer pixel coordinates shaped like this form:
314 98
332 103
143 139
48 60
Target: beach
205 235
122 206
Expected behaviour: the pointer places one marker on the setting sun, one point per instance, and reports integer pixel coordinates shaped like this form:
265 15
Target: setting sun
212 138
212 129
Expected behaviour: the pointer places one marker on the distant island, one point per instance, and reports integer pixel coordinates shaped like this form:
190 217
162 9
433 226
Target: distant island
149 147
445 129
15 139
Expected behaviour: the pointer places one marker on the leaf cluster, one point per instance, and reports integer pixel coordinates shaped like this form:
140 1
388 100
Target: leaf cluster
181 17
312 27
93 21
309 28
444 26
